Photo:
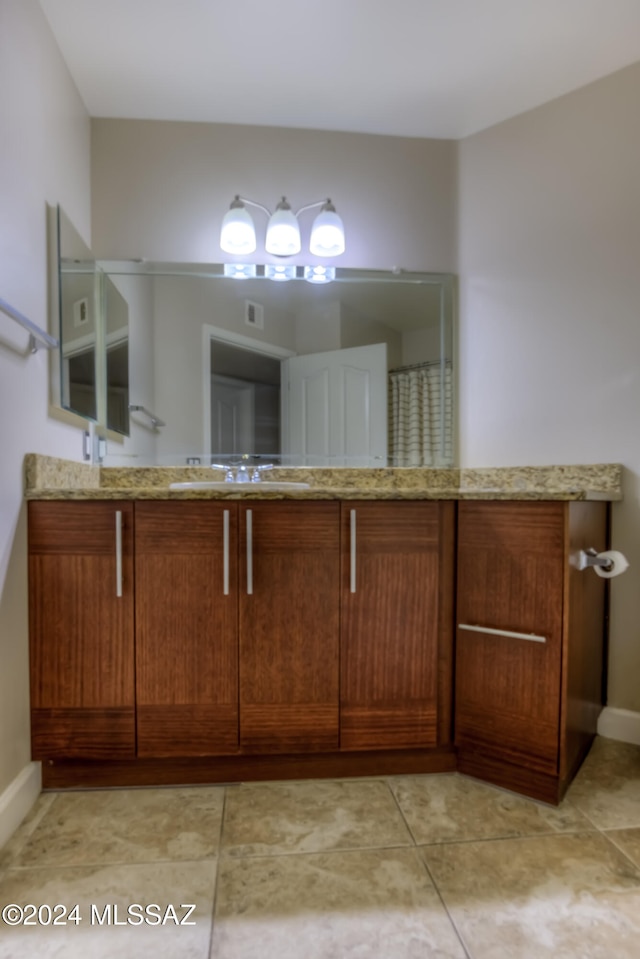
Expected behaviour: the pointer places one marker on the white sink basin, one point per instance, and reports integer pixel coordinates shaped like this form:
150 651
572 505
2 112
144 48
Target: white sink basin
247 487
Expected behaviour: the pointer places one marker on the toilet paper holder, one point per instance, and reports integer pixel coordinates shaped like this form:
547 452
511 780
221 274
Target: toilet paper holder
590 557
607 564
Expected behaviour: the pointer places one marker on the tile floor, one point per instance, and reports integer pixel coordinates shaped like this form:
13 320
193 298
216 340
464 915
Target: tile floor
405 867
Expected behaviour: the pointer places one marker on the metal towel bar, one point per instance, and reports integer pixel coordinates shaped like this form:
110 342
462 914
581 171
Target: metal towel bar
155 420
36 335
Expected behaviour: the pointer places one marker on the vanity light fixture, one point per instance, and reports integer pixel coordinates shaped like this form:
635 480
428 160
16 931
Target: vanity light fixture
327 232
238 234
283 232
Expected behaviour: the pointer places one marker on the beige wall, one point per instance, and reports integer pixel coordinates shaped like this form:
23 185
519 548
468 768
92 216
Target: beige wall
549 340
360 330
140 445
160 190
44 158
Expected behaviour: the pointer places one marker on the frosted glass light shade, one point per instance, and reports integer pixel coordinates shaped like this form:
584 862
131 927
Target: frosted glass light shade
283 232
327 233
238 234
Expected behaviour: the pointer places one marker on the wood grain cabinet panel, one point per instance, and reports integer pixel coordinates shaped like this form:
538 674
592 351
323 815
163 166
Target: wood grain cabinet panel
521 656
289 626
186 628
81 631
396 558
252 635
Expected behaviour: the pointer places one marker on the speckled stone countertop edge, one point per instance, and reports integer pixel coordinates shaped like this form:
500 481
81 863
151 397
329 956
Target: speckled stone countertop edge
53 478
349 493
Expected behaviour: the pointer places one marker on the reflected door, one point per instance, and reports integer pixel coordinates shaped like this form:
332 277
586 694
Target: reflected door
232 415
338 406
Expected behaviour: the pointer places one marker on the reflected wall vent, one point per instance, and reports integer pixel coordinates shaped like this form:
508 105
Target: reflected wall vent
254 314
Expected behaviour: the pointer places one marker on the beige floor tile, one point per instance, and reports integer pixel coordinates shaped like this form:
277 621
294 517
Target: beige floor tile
451 808
162 884
563 896
607 787
136 825
361 904
628 840
11 850
269 818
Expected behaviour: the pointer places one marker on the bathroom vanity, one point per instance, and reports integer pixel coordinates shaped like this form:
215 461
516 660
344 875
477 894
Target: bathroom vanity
378 622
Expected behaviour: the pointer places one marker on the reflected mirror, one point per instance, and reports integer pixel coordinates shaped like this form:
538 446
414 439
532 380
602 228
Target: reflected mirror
94 335
79 333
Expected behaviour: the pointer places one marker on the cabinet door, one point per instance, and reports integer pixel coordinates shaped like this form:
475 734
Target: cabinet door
289 625
511 568
81 630
186 628
390 625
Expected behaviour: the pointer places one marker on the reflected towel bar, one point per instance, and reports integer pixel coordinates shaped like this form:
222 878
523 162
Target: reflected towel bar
36 335
155 420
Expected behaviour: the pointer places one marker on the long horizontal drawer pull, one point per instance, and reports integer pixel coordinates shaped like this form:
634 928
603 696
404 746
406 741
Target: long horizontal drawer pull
530 637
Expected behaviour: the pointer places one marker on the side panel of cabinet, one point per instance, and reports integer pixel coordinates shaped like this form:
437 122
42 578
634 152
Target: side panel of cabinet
81 631
391 557
186 628
289 626
511 569
585 628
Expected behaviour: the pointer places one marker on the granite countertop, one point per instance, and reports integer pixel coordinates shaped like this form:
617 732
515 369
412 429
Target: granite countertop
57 479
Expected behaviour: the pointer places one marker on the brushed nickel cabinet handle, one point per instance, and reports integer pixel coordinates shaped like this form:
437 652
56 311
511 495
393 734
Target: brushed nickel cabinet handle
118 553
249 552
352 544
225 552
530 637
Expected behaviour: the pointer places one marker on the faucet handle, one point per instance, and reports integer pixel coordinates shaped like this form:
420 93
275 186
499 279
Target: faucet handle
255 477
228 471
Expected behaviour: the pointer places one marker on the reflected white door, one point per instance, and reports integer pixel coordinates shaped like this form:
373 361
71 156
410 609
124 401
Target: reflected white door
232 415
337 406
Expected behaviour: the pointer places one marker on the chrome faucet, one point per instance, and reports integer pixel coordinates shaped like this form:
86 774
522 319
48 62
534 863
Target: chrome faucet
240 472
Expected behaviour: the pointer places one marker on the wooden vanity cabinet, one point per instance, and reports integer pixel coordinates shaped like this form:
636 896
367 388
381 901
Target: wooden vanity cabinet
529 649
81 629
267 639
186 572
289 626
397 606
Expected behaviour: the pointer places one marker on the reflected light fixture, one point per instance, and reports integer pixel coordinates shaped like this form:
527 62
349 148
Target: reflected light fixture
240 271
281 272
238 234
319 274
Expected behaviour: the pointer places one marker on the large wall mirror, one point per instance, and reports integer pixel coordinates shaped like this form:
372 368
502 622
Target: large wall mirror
358 371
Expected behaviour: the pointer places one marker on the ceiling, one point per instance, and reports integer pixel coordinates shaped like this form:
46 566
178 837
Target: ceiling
416 68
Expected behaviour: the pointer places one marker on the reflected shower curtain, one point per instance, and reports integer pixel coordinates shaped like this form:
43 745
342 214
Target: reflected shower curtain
421 415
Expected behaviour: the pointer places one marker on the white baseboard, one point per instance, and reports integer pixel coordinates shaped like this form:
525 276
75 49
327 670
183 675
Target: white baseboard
622 724
18 798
